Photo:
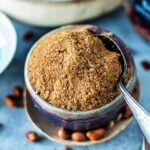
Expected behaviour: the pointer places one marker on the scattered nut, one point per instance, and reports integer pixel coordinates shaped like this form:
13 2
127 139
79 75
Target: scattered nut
18 91
146 64
67 148
128 113
119 117
27 36
78 136
63 134
96 134
16 99
11 101
111 124
32 136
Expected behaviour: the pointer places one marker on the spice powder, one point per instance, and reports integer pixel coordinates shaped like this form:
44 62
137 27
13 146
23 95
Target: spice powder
72 69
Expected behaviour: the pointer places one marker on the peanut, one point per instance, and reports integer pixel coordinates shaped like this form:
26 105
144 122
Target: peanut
32 136
128 113
11 101
63 134
111 124
119 117
28 36
18 91
96 134
78 136
67 148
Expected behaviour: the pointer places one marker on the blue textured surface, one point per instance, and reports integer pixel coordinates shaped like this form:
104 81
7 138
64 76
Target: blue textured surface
15 123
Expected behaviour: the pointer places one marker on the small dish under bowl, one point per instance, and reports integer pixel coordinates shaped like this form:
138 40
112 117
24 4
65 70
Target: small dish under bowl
50 130
91 119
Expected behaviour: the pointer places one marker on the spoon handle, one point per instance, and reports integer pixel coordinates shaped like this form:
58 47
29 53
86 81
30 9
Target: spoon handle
140 114
145 145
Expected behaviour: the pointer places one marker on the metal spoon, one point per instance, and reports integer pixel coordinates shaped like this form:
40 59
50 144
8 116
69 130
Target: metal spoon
140 114
145 145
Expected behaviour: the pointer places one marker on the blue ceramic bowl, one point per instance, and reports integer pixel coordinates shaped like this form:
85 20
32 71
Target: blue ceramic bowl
84 120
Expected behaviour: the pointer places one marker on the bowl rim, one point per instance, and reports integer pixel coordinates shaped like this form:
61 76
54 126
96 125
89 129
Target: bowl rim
63 112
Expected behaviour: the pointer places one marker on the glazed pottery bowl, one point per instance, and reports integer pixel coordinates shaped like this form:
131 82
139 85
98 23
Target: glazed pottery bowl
84 120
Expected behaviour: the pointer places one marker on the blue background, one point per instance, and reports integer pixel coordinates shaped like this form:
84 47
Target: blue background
15 123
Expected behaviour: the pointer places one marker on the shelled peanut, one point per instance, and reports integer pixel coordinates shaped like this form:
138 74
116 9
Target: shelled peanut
16 99
78 136
63 134
96 134
82 136
128 113
32 136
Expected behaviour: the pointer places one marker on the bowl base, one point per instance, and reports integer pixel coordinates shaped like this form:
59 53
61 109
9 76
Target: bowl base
50 130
